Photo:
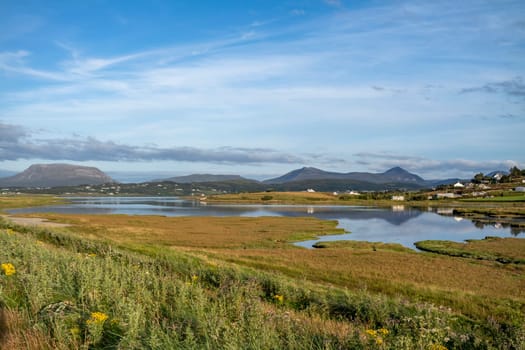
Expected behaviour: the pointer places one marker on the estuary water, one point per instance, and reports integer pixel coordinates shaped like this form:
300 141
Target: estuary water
398 224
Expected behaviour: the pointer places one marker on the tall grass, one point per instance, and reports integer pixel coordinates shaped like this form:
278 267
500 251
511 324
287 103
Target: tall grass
73 293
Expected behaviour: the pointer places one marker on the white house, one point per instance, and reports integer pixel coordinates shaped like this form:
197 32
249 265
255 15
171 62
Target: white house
520 189
398 198
458 185
310 190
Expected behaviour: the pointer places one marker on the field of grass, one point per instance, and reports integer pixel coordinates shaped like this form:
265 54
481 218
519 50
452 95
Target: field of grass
135 282
508 250
511 198
24 201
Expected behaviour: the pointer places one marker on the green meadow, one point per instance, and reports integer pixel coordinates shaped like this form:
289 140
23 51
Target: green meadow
121 282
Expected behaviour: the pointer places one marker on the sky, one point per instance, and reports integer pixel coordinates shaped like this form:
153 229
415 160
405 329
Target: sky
259 88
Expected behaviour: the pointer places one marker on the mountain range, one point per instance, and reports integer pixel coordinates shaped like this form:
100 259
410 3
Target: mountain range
394 175
55 175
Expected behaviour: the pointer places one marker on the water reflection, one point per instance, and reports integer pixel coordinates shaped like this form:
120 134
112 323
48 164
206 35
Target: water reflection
398 224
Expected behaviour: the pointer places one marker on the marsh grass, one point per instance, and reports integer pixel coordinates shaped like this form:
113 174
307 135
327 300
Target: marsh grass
199 232
503 250
174 299
23 201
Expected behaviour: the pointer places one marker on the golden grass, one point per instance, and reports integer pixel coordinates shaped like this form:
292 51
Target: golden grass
386 270
491 248
473 287
23 201
511 247
253 242
276 197
16 334
199 232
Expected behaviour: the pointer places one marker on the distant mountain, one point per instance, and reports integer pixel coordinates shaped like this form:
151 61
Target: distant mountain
200 178
53 175
395 175
306 173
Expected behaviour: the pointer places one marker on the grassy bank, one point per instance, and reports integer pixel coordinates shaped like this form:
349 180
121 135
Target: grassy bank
150 282
504 250
328 298
24 201
65 292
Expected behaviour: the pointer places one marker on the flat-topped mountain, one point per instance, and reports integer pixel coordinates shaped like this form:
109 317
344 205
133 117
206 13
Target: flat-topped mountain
394 175
54 175
196 178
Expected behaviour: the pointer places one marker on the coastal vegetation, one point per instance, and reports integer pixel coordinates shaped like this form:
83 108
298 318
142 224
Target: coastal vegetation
117 281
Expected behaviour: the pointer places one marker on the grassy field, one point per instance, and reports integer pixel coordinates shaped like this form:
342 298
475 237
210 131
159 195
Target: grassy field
23 201
134 282
509 250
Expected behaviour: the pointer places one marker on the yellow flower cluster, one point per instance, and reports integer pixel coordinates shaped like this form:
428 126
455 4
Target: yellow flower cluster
279 297
97 318
378 334
8 269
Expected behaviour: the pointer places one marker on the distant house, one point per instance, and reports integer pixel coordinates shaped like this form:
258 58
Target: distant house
520 189
398 198
310 190
497 176
458 185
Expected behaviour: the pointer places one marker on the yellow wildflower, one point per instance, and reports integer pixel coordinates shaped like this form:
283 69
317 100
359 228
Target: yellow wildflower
92 255
97 318
9 231
371 332
279 297
194 278
383 331
379 340
8 269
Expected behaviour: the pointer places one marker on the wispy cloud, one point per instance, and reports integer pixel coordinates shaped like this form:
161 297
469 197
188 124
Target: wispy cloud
366 78
18 143
514 87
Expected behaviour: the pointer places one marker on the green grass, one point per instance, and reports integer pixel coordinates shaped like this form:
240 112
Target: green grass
159 299
512 198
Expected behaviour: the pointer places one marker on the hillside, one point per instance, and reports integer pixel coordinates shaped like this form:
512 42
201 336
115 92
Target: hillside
395 177
53 175
199 178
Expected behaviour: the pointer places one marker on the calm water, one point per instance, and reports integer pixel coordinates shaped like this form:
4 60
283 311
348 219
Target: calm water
393 225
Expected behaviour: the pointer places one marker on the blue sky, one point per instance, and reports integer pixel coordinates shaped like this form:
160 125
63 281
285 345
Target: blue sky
259 88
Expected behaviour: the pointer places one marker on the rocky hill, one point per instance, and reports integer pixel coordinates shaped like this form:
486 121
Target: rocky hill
53 175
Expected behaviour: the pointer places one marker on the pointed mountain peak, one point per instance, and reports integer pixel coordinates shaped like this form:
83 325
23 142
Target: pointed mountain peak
399 174
396 170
